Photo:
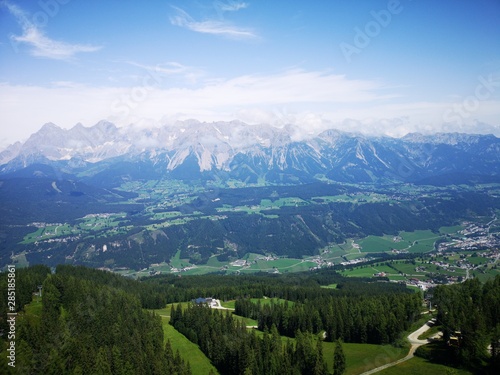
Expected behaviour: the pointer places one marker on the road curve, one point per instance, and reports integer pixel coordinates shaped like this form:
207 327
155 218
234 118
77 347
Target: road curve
415 343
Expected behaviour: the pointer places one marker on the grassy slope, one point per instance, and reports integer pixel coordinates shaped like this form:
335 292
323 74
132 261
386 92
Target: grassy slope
190 352
418 366
364 357
360 357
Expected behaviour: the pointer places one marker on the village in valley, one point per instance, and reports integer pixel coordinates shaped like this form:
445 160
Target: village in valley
420 259
471 251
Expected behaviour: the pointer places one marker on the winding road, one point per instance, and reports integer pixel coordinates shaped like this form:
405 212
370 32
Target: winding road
415 343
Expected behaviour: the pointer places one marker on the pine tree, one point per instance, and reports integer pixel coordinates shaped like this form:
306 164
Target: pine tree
24 358
102 366
55 363
320 367
338 359
116 360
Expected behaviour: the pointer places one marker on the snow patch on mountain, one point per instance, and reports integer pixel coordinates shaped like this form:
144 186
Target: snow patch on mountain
256 149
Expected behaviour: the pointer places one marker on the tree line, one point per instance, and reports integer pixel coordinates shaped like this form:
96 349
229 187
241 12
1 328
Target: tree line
233 349
84 326
91 321
469 315
363 319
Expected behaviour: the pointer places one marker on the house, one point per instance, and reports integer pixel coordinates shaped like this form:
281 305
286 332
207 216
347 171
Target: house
208 301
202 301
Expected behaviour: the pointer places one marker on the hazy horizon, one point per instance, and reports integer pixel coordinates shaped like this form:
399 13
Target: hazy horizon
379 68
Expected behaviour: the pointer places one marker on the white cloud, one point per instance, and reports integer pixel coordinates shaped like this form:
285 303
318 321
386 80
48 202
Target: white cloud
41 45
215 27
309 99
171 68
222 98
230 6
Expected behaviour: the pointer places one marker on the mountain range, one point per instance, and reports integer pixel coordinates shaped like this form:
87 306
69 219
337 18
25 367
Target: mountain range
195 150
131 197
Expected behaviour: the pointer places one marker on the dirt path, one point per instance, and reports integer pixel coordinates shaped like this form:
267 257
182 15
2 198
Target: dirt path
415 343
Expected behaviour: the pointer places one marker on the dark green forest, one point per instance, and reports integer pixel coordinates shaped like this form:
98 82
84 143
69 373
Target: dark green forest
235 350
469 316
85 326
365 318
89 321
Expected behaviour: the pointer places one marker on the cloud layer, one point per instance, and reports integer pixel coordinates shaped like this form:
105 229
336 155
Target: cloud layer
311 100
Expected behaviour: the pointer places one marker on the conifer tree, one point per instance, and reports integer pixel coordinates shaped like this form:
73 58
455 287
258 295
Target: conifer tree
338 359
320 365
102 366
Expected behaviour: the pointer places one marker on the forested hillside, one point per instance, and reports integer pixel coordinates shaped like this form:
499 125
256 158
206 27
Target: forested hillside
95 322
235 350
84 326
469 315
363 318
150 222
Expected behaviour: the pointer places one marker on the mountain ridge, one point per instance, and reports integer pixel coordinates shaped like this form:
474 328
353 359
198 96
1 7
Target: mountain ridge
256 152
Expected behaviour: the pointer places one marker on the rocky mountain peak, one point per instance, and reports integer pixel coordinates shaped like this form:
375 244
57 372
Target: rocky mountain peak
252 151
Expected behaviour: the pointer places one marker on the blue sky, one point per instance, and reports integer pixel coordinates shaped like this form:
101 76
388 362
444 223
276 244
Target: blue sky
377 67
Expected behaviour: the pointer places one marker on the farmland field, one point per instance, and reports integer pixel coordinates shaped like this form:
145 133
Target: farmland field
419 241
374 244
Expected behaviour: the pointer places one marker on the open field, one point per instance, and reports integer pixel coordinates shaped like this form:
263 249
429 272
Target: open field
359 357
190 352
364 357
84 226
486 274
419 241
418 366
20 260
401 270
364 271
282 265
451 230
268 301
374 244
34 308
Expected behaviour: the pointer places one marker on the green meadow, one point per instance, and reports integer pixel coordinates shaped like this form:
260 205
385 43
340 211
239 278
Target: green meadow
419 366
419 241
188 351
359 357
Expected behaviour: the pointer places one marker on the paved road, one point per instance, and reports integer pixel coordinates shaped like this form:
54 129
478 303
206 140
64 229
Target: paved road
415 343
216 305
